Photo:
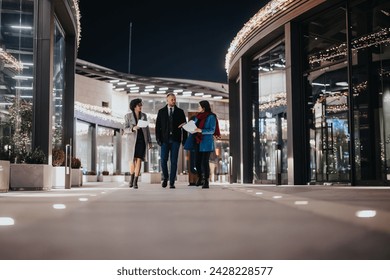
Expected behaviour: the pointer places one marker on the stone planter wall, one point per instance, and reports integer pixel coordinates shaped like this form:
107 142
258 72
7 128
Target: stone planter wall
76 177
30 177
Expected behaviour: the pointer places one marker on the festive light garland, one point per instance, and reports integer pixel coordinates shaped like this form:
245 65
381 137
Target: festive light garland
340 51
11 60
263 16
78 16
97 112
278 100
268 13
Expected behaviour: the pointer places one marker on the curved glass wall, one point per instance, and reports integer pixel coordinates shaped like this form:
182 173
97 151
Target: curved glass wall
337 153
327 94
269 117
370 28
16 75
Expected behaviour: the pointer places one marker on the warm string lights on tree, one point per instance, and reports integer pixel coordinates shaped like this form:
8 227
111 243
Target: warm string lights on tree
261 18
10 61
340 51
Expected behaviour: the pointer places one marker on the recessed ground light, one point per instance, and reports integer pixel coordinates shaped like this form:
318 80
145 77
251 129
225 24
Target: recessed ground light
365 213
59 206
6 221
301 202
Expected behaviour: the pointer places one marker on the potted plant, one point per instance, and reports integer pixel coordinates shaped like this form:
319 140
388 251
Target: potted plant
90 176
76 174
105 177
58 178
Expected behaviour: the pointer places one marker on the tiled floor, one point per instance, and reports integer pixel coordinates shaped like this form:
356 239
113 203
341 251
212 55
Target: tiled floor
111 221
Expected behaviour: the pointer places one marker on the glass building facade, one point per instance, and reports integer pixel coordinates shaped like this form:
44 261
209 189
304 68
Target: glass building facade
38 45
316 74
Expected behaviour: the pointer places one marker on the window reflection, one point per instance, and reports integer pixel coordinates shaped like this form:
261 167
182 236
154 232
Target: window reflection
270 122
16 72
58 85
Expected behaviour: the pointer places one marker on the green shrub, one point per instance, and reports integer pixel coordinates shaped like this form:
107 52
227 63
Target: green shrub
37 156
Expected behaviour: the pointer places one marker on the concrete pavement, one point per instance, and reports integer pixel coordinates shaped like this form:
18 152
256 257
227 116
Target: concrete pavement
111 221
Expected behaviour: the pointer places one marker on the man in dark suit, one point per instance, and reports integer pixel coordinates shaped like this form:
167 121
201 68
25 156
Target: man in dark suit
169 136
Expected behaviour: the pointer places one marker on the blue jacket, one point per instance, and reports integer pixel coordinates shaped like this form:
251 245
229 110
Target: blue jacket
207 143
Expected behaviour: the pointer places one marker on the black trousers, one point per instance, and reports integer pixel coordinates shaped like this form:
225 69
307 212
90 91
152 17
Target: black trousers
202 162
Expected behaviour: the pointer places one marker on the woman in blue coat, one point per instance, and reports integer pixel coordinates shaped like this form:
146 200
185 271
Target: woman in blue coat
207 125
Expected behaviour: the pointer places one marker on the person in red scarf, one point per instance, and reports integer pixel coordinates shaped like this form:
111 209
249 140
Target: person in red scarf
207 127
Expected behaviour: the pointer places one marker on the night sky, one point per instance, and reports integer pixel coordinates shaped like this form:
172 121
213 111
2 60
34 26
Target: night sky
170 39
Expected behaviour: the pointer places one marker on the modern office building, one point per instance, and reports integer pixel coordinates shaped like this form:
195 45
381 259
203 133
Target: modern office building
38 50
102 100
311 80
49 100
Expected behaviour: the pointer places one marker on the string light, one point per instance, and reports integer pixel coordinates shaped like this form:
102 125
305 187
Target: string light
78 16
276 100
270 11
261 18
340 51
10 60
102 113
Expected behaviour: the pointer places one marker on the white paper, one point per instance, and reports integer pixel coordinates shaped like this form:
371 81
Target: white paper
190 126
142 123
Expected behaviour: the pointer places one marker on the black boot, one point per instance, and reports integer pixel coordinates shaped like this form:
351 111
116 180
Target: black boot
199 182
205 183
136 182
131 180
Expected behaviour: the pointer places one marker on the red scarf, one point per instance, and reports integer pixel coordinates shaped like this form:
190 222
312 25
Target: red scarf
200 123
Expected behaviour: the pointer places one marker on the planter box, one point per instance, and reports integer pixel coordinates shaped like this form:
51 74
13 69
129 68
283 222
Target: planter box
76 177
118 178
89 178
58 177
4 175
31 177
105 178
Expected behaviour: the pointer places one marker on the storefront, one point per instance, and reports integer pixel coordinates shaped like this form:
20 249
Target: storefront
316 75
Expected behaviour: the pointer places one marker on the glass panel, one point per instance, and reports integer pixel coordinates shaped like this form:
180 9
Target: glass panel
16 76
58 85
270 125
105 150
370 76
84 134
327 93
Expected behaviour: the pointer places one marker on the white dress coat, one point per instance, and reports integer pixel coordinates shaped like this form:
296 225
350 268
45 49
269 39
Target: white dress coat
131 136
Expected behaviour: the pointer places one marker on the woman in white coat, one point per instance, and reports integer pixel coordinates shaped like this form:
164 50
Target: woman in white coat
138 140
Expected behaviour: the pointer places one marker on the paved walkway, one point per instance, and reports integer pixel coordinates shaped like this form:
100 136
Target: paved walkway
111 221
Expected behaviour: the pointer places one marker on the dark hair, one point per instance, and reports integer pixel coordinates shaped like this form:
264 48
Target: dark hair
134 103
205 105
